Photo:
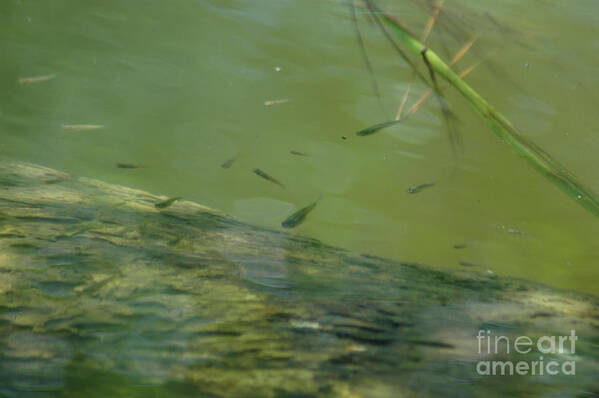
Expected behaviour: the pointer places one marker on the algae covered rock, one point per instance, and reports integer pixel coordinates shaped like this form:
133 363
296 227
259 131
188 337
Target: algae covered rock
103 294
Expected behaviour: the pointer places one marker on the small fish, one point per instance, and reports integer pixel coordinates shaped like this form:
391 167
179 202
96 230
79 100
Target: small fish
297 153
229 163
55 181
81 127
377 127
460 246
276 102
418 188
267 177
166 203
128 166
467 264
298 217
36 79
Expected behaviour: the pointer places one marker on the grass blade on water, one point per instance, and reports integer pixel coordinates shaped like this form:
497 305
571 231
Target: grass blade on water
531 152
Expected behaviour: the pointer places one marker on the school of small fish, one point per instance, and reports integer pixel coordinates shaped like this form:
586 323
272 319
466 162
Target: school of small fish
292 221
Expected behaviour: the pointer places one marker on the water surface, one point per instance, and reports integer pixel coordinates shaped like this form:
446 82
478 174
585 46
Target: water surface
180 88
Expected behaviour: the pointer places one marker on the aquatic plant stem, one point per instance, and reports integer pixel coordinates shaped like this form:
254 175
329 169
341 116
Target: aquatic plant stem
531 152
365 57
414 108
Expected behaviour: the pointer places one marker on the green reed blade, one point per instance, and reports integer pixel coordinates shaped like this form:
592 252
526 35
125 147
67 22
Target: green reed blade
527 149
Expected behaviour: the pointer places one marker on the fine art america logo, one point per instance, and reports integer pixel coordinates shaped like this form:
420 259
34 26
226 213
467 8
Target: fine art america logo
489 344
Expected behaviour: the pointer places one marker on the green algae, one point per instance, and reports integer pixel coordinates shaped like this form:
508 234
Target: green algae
118 308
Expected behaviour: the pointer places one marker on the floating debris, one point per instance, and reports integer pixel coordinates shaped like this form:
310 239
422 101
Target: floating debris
128 166
298 217
229 163
276 102
512 231
36 79
82 127
267 177
377 127
343 137
166 203
297 153
419 188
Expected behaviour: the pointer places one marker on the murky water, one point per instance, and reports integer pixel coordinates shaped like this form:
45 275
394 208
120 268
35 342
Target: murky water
180 87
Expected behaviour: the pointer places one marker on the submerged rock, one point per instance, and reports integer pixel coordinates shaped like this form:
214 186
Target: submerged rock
103 294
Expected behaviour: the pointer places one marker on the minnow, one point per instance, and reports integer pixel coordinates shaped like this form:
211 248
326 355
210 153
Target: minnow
297 153
128 166
267 177
377 127
36 79
55 181
467 264
298 217
275 102
81 127
229 163
418 188
166 203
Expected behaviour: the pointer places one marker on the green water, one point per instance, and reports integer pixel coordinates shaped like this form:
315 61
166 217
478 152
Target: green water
180 87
